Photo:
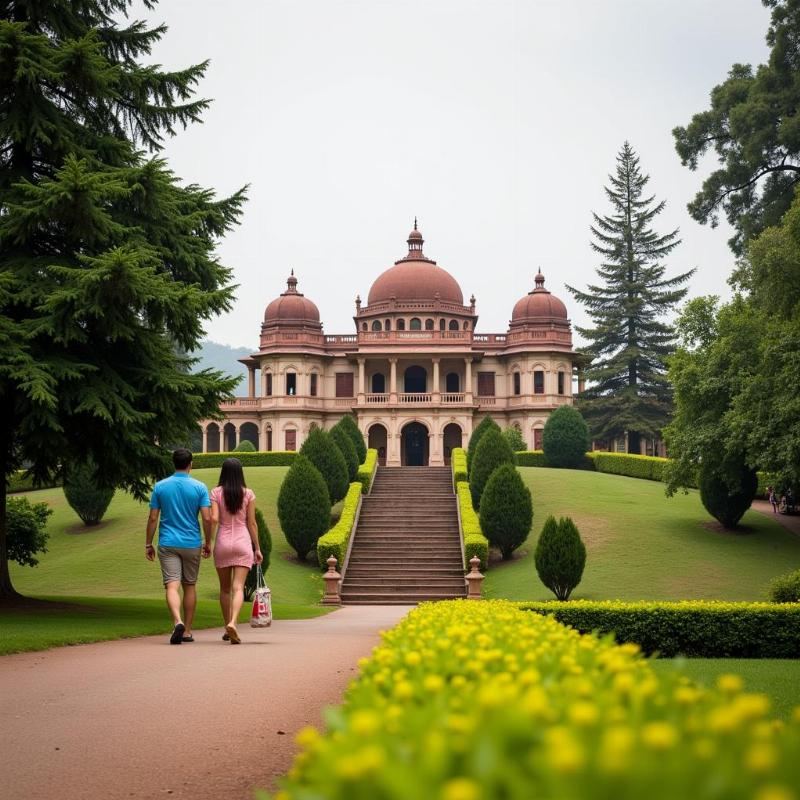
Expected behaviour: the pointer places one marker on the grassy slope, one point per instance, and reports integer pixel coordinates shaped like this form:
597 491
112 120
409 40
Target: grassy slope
643 545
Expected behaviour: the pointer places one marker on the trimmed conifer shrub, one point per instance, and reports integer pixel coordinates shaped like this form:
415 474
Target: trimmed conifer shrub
514 437
348 424
245 446
565 438
304 506
265 543
85 496
321 450
560 556
506 510
348 450
484 425
492 451
727 490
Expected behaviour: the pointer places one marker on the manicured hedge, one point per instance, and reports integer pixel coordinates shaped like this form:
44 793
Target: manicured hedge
530 458
647 467
20 482
475 543
702 629
271 458
335 541
469 700
458 463
367 470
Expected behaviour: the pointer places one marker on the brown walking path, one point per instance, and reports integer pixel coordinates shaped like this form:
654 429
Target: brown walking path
139 718
791 523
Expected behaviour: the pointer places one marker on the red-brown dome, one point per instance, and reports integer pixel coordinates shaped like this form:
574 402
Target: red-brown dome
415 277
291 308
539 303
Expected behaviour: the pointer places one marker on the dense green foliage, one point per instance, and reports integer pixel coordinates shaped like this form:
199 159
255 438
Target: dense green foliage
321 450
691 628
506 510
245 446
475 543
336 541
514 437
347 449
271 458
487 423
304 506
786 588
531 458
348 424
752 127
108 263
87 498
27 536
366 471
265 545
492 451
458 464
727 490
628 391
20 481
650 468
560 556
474 701
565 438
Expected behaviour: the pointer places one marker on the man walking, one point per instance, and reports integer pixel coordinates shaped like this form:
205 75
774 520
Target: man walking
177 500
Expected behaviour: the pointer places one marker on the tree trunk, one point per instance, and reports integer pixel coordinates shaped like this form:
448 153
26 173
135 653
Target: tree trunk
7 591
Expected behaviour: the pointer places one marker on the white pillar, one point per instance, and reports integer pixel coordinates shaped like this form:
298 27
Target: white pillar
392 380
468 379
205 438
435 380
361 389
251 381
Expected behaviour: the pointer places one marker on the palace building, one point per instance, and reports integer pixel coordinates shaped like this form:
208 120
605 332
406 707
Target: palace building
416 372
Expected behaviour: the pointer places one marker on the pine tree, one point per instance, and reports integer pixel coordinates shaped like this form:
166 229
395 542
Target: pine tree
108 268
628 389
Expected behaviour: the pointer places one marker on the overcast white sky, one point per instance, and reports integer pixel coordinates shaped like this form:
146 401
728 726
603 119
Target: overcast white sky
495 122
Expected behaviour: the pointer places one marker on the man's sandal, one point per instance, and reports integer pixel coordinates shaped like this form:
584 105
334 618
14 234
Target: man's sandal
233 634
188 638
177 634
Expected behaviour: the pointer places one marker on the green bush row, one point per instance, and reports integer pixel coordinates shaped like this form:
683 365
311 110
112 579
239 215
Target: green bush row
475 543
367 470
271 458
335 541
648 468
458 461
20 482
701 629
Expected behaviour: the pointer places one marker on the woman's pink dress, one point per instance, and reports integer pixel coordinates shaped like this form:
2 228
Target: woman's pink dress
233 547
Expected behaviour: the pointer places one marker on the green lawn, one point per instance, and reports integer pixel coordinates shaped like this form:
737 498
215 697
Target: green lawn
642 545
777 678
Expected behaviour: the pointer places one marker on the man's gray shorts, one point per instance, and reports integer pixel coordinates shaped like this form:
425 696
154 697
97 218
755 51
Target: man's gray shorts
179 564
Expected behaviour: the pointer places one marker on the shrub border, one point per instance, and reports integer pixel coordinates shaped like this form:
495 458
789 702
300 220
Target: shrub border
270 458
338 540
473 542
366 471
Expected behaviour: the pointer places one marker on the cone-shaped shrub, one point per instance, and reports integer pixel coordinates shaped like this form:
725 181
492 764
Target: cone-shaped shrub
348 450
514 436
320 449
487 423
87 499
265 543
565 438
727 490
506 510
492 451
560 556
350 427
245 446
304 507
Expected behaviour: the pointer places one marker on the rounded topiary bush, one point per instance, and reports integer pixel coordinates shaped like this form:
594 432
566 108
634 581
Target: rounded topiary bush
514 437
786 588
348 424
565 438
506 510
321 450
304 506
348 450
86 497
265 543
245 446
727 490
492 451
486 424
560 556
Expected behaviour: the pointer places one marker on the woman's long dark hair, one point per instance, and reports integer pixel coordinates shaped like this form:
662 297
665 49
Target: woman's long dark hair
231 479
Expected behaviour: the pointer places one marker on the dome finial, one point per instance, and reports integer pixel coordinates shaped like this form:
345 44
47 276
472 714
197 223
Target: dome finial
539 281
415 241
415 223
291 283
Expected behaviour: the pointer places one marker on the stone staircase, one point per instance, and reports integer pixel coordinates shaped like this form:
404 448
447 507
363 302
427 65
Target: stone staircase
407 546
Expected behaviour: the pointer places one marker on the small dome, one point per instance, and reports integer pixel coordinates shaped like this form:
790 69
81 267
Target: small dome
292 307
415 277
539 303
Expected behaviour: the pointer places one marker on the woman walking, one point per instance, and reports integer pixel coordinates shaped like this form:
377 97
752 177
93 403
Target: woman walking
233 513
773 498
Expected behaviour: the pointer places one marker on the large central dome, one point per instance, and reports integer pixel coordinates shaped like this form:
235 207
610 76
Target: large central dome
415 277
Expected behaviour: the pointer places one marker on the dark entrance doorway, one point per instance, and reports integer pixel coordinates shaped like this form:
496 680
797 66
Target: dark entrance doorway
415 445
415 380
451 439
377 440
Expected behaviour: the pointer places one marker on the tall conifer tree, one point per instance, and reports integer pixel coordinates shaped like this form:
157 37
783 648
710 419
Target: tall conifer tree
108 267
628 389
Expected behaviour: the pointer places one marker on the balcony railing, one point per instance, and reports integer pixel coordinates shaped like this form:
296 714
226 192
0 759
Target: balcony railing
453 397
376 399
414 397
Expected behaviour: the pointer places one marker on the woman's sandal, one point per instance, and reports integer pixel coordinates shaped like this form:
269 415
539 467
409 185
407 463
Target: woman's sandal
233 634
225 637
188 638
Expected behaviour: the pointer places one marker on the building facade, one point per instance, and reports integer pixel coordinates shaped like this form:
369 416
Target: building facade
415 371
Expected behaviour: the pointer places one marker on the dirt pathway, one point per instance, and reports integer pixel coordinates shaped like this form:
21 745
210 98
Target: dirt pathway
791 523
139 718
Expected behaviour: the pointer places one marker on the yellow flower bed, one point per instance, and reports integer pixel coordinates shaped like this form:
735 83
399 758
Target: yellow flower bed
469 700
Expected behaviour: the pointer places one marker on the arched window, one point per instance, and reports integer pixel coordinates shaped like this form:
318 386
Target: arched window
466 326
415 380
387 326
364 326
291 383
452 382
401 324
428 324
442 324
453 325
376 325
378 383
415 324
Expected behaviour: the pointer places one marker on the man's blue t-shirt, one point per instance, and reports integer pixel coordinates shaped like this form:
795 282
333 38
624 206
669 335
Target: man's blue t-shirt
179 498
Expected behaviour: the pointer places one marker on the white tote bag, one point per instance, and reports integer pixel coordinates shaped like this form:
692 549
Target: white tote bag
262 603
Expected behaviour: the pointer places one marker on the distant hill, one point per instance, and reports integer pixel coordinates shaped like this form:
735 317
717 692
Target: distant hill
219 356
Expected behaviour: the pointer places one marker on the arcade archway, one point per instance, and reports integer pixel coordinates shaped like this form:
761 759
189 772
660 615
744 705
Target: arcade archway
414 446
